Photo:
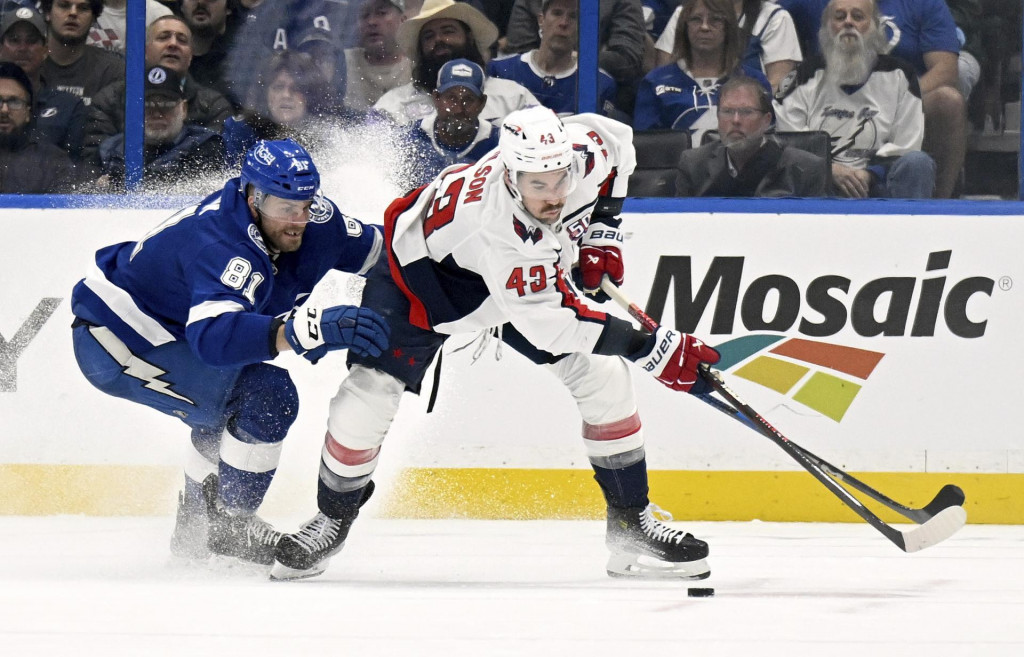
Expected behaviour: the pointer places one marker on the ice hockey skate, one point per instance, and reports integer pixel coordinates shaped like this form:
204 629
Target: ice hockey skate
189 542
243 536
307 552
643 547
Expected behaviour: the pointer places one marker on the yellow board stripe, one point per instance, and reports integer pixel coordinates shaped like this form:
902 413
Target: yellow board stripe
94 490
688 495
514 493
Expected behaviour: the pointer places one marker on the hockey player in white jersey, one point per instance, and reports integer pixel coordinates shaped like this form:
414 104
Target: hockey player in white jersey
491 245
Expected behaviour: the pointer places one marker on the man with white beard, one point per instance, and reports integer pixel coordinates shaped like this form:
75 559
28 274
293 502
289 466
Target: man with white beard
869 102
175 151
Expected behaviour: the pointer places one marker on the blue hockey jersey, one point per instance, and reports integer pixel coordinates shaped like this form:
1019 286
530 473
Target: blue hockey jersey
206 276
669 98
556 92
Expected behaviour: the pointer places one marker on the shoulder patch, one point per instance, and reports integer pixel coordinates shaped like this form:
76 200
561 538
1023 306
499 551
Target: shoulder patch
257 238
321 210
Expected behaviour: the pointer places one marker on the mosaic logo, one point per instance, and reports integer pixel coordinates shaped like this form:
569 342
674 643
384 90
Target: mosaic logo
885 306
824 377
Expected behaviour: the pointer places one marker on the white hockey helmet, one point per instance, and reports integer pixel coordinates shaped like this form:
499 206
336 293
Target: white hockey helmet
534 140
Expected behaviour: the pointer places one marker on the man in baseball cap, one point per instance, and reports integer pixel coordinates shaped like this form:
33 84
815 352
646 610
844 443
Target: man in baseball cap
22 15
445 30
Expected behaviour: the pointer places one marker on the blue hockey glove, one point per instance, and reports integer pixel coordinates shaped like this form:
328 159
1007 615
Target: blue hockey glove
312 332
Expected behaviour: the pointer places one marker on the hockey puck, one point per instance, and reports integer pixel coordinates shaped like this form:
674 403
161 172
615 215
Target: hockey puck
700 593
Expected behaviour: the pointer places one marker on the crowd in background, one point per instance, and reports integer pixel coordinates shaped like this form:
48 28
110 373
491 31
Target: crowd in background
437 76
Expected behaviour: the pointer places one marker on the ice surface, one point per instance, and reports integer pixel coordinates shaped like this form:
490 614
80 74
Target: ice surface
107 586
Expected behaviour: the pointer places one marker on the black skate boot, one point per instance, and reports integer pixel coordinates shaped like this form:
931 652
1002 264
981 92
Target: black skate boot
644 547
244 536
307 552
191 532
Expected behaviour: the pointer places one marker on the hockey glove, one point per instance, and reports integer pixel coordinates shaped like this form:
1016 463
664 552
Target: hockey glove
600 256
312 332
673 357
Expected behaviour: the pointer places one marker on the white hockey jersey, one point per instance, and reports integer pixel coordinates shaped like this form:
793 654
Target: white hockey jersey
881 118
469 258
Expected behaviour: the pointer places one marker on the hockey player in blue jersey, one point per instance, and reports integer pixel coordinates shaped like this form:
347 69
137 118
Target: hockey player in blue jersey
184 320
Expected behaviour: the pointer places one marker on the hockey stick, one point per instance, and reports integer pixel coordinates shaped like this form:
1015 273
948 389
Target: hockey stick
940 525
949 495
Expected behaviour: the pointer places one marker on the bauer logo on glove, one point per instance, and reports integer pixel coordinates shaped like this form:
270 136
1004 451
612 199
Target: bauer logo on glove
673 358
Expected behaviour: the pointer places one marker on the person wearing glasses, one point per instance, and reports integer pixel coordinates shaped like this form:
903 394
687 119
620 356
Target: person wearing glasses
185 320
748 161
29 164
766 30
176 152
683 95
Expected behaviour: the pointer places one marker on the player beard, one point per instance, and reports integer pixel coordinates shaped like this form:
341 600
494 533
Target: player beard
851 56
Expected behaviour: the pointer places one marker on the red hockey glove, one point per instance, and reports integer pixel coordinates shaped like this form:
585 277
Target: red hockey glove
600 256
673 357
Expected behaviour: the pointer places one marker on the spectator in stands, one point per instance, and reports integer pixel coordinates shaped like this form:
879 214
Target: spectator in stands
496 11
550 71
377 65
211 41
108 31
747 161
658 14
281 25
293 105
175 151
623 39
445 30
28 163
968 16
923 33
869 102
455 134
168 44
59 116
683 95
766 29
73 65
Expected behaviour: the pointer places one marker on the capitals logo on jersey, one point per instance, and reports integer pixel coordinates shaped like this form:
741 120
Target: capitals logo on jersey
588 158
526 233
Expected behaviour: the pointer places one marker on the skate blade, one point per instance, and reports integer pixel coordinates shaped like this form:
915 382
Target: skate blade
233 566
641 567
282 573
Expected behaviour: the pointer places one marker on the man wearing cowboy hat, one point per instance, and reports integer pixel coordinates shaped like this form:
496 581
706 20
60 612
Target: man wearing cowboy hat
445 30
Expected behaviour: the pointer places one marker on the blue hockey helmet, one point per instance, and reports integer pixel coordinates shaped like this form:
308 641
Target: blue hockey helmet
281 168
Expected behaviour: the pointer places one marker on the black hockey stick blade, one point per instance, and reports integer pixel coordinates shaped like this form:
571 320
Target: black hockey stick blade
933 530
949 495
